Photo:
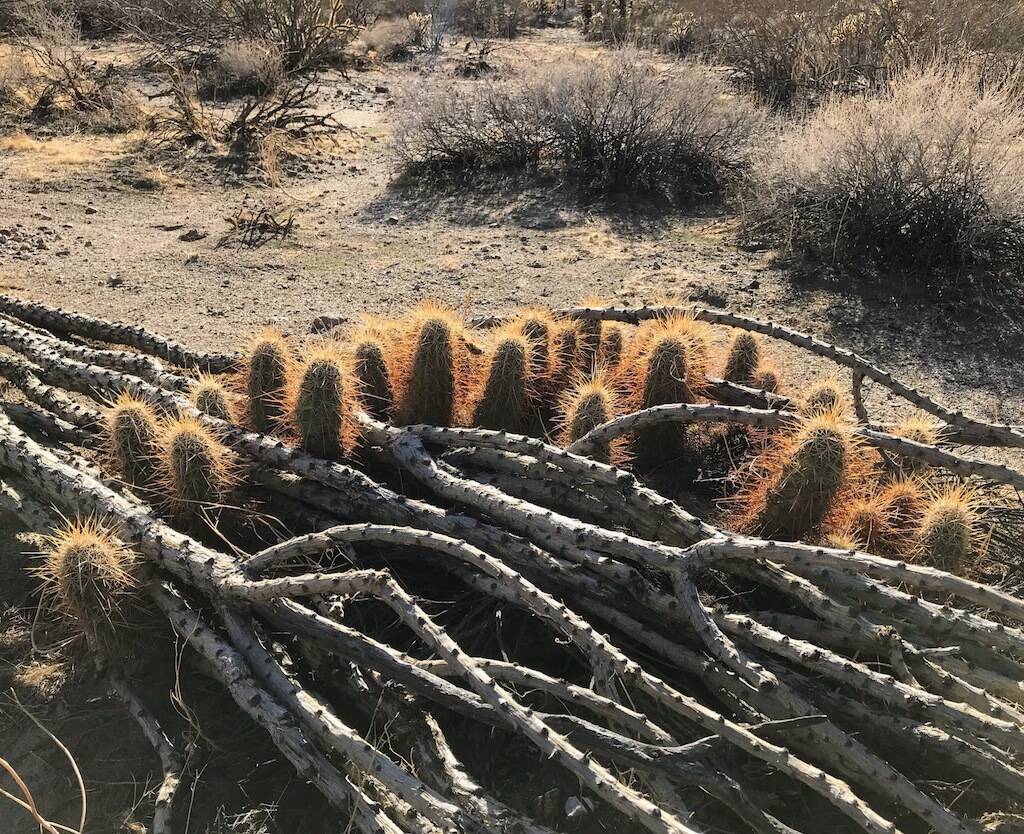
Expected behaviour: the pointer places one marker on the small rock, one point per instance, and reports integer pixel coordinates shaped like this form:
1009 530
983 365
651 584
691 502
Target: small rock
191 236
191 259
115 281
575 807
392 220
91 210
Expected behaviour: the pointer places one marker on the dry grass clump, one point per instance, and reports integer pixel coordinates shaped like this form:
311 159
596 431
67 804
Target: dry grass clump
921 178
616 124
91 579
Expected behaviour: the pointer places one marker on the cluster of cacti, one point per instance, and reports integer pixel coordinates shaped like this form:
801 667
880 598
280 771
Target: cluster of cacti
175 458
452 527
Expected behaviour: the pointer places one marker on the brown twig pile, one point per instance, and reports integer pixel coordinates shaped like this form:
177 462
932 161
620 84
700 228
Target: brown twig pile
817 654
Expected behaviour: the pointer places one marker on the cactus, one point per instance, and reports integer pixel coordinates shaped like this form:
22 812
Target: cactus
266 373
919 430
503 403
743 358
211 397
905 498
668 366
92 580
195 471
371 371
767 377
822 396
584 407
565 356
798 479
320 403
133 443
869 522
588 342
538 326
431 382
613 346
948 531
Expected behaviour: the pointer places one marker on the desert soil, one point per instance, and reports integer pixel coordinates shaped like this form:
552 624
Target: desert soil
87 225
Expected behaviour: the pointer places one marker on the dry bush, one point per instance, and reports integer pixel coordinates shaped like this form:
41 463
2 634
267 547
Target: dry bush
394 38
616 125
792 51
255 138
309 33
244 68
48 79
924 178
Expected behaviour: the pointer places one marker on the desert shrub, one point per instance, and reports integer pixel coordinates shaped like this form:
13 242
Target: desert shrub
615 124
923 178
309 33
493 18
47 79
244 68
394 38
790 52
255 138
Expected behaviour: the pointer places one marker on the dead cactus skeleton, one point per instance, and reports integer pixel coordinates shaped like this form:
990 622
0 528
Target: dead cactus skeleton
581 546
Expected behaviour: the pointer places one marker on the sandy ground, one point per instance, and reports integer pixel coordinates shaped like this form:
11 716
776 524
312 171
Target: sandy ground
76 232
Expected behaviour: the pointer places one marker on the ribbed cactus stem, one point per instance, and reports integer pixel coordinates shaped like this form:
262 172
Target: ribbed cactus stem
133 438
195 469
743 358
317 405
588 343
265 380
586 407
211 397
91 579
613 345
804 473
430 397
504 403
821 396
374 379
538 331
947 534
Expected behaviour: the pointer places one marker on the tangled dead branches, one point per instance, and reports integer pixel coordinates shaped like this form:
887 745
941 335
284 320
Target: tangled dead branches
683 674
